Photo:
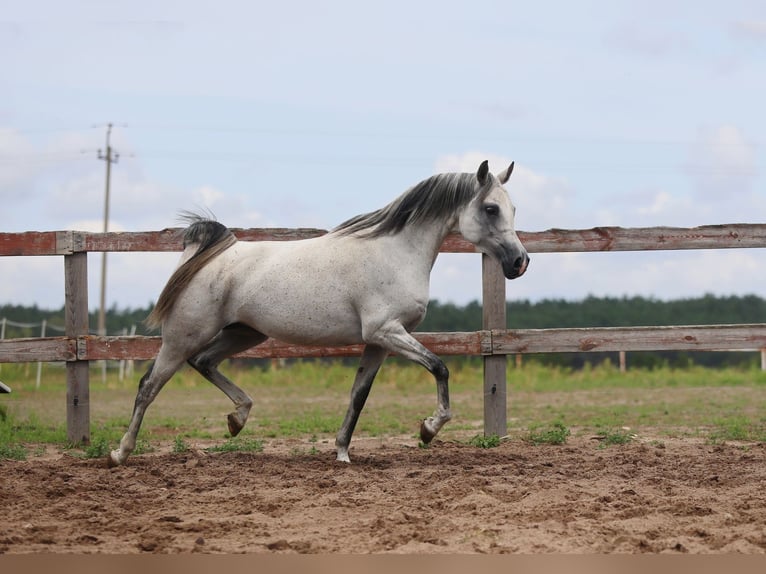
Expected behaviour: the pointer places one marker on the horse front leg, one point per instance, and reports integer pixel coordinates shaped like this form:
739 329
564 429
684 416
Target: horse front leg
431 426
372 357
397 340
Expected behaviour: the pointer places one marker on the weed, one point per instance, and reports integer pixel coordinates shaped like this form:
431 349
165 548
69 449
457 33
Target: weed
557 433
97 448
483 441
613 436
180 445
13 452
737 428
143 447
238 444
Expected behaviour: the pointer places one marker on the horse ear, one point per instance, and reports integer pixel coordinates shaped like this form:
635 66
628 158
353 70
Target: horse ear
483 172
504 176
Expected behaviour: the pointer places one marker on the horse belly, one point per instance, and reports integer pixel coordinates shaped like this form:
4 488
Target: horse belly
311 329
302 316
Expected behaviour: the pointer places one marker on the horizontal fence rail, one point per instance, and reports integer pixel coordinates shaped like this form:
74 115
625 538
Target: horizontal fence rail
77 347
732 236
485 343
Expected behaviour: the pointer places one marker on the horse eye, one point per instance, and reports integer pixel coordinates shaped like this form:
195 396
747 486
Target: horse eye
492 210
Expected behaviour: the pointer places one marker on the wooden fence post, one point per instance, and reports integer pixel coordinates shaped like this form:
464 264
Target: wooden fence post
493 317
76 325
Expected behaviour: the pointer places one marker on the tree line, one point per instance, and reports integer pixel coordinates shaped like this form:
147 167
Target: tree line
615 312
524 314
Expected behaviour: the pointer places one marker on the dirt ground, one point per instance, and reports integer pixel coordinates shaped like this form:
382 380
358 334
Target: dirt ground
669 496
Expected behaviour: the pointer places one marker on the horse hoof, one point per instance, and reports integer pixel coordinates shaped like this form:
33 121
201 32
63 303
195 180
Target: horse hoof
113 459
234 425
343 456
426 434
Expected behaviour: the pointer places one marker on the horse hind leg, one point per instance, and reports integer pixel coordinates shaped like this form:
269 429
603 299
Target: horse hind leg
151 383
231 340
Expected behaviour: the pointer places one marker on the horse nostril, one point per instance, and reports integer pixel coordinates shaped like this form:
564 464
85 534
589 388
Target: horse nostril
518 263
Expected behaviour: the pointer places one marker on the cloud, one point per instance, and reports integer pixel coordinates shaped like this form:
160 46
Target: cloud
16 167
35 280
722 163
651 42
751 29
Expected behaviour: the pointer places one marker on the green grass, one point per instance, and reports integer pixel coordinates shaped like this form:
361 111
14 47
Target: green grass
238 444
555 433
180 445
611 436
738 428
482 441
13 451
98 448
309 399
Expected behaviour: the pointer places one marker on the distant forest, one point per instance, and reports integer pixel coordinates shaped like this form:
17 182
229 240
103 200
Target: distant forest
547 313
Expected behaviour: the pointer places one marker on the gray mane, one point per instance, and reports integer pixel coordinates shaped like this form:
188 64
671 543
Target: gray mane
434 198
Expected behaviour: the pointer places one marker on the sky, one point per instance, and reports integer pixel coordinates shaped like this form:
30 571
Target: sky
303 114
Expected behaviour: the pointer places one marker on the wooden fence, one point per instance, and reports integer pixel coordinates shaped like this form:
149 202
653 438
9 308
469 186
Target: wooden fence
494 342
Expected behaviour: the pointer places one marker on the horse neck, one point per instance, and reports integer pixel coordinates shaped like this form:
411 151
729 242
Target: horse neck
426 239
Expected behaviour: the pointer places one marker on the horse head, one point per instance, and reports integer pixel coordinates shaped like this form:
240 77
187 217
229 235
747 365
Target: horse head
488 222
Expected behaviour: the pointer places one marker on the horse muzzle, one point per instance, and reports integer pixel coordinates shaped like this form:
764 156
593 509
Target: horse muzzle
515 266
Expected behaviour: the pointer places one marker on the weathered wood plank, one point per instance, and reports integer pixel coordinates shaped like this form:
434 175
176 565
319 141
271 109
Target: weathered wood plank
682 338
729 236
497 341
142 348
171 239
76 325
29 243
34 349
493 317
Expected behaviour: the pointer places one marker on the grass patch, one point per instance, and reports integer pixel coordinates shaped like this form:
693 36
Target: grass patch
238 444
180 445
737 428
482 441
615 436
555 434
31 430
13 452
98 448
309 398
309 423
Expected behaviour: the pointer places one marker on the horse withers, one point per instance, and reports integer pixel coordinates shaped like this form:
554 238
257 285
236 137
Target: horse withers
364 282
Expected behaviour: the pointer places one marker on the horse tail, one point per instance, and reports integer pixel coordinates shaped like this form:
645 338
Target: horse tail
212 239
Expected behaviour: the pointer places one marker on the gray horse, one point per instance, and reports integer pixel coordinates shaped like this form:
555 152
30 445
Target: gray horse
366 281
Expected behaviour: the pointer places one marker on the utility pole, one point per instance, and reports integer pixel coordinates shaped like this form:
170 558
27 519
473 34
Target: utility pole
109 157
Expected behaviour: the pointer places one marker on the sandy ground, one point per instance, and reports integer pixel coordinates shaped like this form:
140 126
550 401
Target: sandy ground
669 496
